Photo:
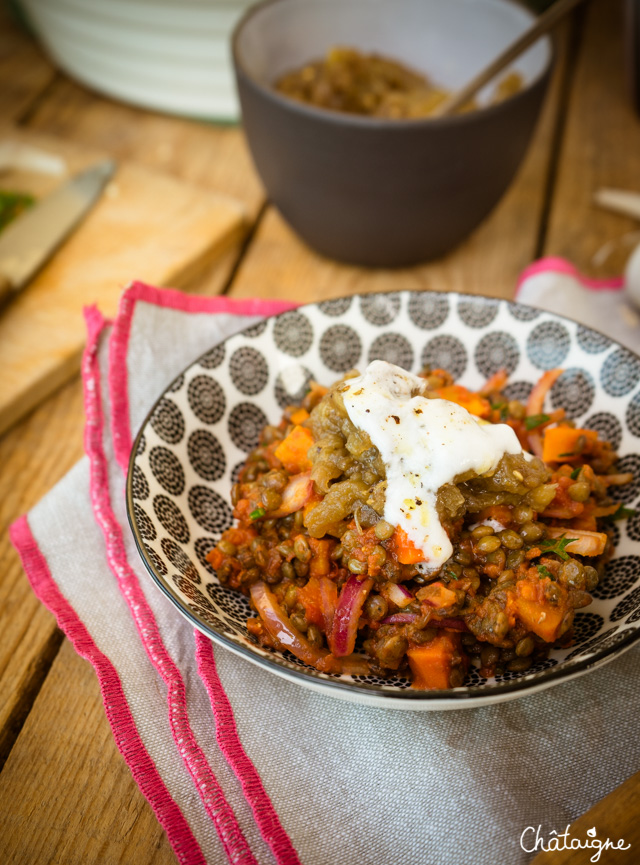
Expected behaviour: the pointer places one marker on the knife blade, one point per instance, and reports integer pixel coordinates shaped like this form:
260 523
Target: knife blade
28 243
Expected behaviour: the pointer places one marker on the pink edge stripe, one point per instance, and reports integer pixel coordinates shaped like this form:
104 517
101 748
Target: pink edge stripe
226 732
116 707
561 265
119 343
215 803
230 745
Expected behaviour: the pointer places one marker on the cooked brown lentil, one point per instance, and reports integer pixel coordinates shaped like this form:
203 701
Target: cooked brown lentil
474 605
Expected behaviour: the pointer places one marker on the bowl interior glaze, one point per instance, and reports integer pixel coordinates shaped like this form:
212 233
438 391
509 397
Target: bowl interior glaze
448 41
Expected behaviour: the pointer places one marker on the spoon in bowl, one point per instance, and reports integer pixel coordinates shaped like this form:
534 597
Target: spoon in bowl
542 25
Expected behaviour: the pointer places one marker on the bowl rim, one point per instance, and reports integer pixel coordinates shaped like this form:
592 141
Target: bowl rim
466 694
349 120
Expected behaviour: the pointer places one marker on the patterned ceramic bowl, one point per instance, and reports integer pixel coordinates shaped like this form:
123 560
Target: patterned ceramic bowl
197 435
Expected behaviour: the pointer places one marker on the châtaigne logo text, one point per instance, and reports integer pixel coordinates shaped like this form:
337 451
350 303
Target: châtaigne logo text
532 839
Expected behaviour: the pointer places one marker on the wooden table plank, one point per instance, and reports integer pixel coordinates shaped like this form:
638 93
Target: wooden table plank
34 456
147 225
214 157
24 70
87 809
600 147
280 265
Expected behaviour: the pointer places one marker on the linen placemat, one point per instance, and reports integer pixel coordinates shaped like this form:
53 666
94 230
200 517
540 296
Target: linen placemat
602 304
245 767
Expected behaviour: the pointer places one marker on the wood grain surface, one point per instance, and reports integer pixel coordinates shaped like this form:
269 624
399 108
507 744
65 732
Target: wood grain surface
65 794
600 146
210 157
146 225
100 786
25 72
32 463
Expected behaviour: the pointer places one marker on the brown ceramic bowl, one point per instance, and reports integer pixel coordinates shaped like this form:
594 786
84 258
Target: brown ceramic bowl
384 192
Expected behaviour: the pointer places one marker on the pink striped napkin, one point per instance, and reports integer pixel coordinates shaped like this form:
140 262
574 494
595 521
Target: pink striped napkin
555 284
245 767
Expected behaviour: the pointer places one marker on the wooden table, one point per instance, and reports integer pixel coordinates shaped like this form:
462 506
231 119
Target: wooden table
66 796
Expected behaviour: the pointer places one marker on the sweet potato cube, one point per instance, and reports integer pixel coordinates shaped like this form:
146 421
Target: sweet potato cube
536 613
292 451
431 664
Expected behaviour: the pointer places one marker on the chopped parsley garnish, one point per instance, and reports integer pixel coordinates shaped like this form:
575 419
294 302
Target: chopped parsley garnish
544 571
568 454
574 474
622 513
255 515
557 546
535 420
502 407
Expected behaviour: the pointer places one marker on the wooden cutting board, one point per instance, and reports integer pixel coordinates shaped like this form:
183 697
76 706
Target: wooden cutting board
146 226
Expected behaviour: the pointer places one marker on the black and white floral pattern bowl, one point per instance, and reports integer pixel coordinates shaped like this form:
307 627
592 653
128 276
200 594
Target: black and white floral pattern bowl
200 430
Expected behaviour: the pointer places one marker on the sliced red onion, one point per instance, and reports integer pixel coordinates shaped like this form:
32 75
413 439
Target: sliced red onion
345 622
280 628
400 619
452 624
328 602
287 636
400 595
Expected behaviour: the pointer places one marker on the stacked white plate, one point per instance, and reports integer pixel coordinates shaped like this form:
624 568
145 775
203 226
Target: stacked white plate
167 55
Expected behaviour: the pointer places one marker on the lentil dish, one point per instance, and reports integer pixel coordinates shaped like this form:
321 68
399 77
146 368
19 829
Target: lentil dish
485 565
350 81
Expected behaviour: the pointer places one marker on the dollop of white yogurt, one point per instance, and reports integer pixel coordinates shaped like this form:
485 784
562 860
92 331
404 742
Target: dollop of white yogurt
425 444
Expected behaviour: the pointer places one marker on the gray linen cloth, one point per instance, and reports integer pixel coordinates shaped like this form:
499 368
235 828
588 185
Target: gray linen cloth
351 784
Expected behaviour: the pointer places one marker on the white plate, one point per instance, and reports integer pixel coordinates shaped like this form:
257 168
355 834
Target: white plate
161 54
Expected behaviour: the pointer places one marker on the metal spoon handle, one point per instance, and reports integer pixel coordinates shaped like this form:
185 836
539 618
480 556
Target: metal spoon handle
544 23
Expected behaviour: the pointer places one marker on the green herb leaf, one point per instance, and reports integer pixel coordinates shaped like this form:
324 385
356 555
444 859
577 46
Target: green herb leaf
568 454
535 420
544 572
622 513
574 474
255 515
557 546
12 204
502 407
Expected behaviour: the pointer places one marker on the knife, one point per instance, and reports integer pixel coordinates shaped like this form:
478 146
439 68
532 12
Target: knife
28 243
